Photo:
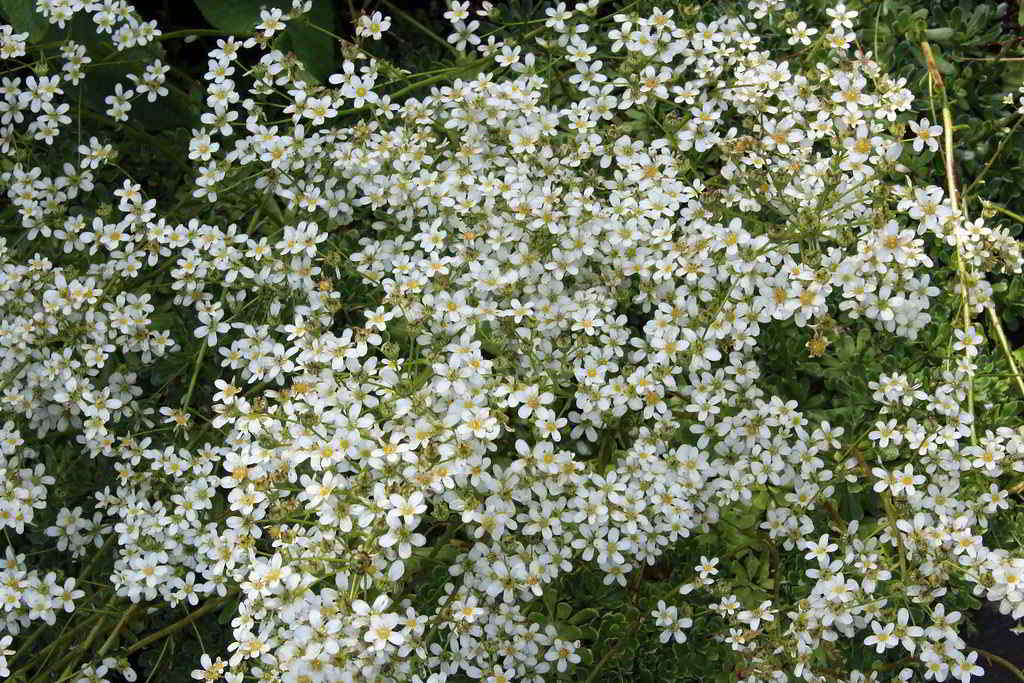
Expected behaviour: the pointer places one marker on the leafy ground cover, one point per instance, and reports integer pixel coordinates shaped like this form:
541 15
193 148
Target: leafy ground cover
592 342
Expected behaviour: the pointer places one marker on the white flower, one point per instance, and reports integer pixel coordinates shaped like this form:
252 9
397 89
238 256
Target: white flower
925 134
563 653
882 638
801 33
382 631
373 26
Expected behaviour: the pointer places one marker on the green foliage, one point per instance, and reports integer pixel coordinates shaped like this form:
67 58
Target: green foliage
310 37
236 16
978 50
23 17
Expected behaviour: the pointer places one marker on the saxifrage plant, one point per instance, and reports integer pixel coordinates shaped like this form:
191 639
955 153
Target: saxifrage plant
639 341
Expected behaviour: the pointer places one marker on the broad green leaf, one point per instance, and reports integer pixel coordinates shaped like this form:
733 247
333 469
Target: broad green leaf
313 46
941 33
235 16
309 38
570 632
227 612
584 615
24 18
549 598
171 111
850 506
764 576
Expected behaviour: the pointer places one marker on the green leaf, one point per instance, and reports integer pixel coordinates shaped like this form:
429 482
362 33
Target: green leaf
863 339
314 46
764 577
227 612
584 615
753 564
549 598
173 110
849 503
569 632
941 33
24 18
235 16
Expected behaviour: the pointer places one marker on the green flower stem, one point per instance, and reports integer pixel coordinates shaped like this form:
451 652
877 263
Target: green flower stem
96 558
467 68
995 155
890 511
416 86
113 634
947 121
934 77
39 660
74 657
1004 344
275 211
986 59
1003 210
185 33
163 651
997 325
423 29
145 138
1005 663
73 633
195 376
601 662
13 374
207 607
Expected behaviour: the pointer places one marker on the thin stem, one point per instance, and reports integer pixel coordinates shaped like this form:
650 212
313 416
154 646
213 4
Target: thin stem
430 81
310 24
186 32
156 666
1006 664
113 634
890 511
195 376
426 31
66 634
143 136
999 149
601 662
987 59
13 374
1003 210
416 86
947 124
74 657
207 607
1004 344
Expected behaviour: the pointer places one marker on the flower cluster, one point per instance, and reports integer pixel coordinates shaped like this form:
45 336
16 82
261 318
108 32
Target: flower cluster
560 371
